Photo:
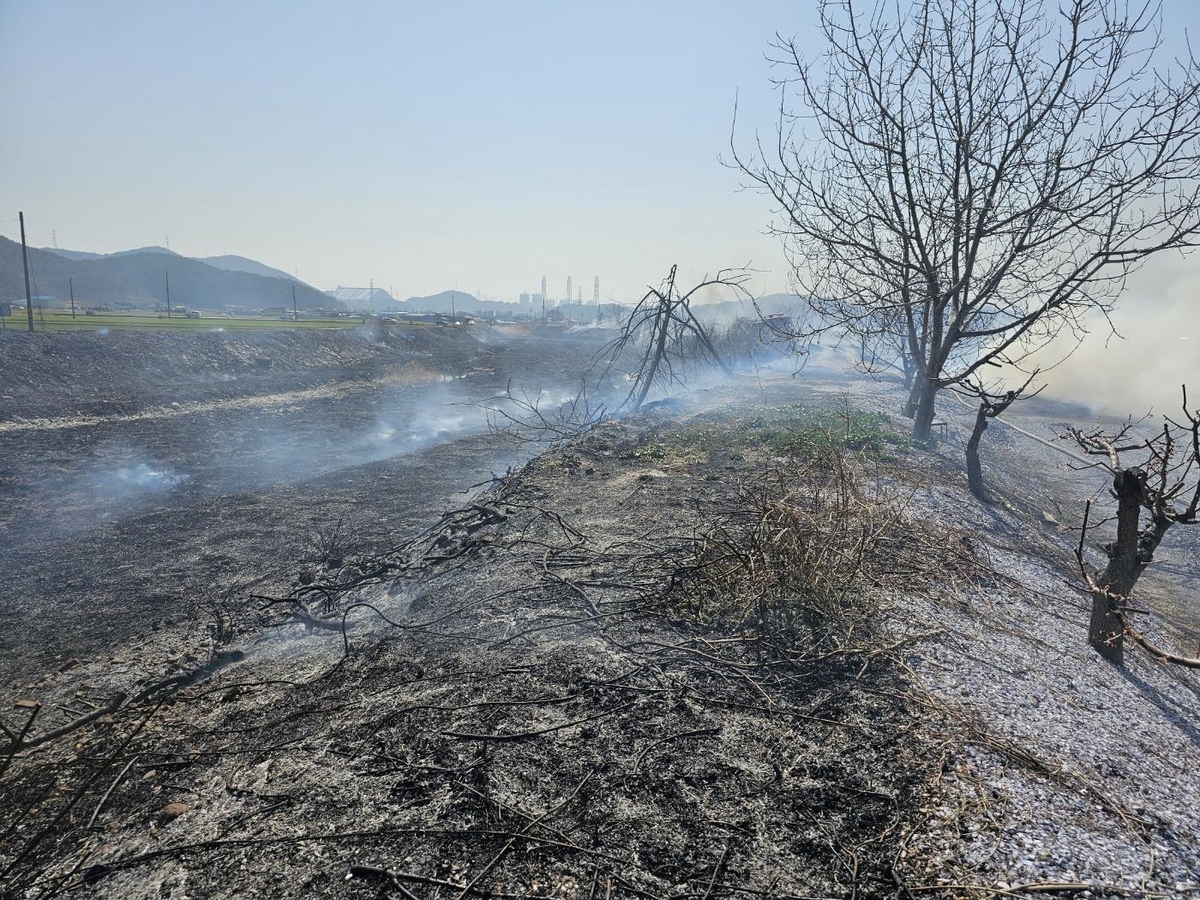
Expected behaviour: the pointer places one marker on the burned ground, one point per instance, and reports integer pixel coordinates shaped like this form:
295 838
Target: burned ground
563 686
110 524
541 720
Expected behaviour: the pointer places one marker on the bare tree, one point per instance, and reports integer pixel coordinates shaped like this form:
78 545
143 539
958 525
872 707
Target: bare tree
1166 472
983 172
666 337
660 343
991 404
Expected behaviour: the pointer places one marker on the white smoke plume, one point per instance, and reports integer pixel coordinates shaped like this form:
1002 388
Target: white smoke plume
1158 320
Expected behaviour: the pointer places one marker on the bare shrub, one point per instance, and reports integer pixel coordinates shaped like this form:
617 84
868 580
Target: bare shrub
327 543
735 342
660 344
666 336
799 558
521 418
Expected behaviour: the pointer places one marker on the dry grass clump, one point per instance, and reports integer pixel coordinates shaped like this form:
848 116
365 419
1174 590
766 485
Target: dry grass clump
805 557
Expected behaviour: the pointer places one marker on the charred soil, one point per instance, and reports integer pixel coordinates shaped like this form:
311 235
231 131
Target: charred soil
520 700
749 643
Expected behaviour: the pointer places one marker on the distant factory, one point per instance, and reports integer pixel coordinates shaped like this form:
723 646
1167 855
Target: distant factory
531 301
568 308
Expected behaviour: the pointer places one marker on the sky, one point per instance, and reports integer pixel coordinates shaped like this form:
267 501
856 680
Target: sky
424 146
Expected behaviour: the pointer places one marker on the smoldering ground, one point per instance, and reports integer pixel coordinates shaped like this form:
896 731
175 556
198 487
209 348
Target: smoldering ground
92 475
130 518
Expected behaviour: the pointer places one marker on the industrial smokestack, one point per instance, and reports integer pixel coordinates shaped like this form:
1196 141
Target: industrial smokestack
596 291
570 291
543 287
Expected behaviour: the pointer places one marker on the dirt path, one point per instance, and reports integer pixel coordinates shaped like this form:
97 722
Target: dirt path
411 375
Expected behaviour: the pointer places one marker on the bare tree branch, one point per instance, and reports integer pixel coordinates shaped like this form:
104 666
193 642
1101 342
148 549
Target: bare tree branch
960 182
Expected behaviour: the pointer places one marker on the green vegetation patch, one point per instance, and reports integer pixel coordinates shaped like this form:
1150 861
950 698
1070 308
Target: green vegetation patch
795 429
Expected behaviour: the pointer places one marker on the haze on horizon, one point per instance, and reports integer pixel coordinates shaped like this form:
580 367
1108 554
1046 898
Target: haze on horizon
427 147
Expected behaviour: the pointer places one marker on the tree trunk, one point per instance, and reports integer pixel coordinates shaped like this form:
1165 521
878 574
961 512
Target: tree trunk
910 405
910 370
926 390
660 350
974 470
1119 576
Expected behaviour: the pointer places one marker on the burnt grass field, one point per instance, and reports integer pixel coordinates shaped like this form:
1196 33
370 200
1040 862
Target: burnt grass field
283 618
143 474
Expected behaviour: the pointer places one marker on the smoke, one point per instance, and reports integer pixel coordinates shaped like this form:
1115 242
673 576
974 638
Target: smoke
295 442
1158 320
114 481
140 476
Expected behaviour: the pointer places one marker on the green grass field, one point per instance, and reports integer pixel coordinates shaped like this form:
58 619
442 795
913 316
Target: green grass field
57 320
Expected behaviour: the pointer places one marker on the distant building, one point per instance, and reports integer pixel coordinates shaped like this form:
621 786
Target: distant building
362 297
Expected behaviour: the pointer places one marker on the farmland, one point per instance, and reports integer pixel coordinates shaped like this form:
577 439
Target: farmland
60 320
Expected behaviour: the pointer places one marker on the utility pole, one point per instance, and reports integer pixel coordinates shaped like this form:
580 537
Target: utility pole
168 277
295 312
25 262
71 284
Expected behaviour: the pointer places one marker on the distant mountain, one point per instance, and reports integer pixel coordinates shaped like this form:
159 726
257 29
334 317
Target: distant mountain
769 305
455 301
72 254
463 303
228 262
83 254
137 278
155 249
231 263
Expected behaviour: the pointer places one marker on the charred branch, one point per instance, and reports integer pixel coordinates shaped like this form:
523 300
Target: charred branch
1165 474
991 404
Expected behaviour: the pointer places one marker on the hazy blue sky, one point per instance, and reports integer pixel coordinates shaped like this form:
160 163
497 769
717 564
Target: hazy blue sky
420 144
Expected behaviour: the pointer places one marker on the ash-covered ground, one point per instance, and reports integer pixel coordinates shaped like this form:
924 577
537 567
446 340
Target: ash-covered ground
143 479
563 684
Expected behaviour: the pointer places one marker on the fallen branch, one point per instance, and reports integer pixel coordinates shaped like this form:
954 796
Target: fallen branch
523 735
111 707
111 788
